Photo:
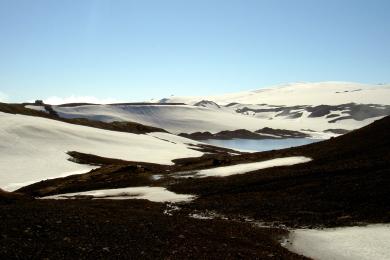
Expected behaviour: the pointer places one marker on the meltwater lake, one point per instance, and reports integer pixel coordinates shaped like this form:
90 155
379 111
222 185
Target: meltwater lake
261 145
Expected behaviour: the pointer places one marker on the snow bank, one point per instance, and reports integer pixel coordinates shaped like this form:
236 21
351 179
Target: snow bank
156 194
369 242
248 167
34 149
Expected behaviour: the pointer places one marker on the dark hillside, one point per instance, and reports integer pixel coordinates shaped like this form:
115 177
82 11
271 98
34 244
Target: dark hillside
347 182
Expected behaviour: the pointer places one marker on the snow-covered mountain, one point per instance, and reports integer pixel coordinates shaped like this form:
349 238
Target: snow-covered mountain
35 148
321 93
320 109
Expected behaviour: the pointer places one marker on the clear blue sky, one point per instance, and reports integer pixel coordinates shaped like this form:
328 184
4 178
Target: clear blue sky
136 50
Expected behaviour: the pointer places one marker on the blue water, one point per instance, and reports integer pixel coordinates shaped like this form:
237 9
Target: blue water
261 145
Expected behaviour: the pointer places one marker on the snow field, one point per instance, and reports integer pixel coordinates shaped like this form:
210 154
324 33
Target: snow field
34 148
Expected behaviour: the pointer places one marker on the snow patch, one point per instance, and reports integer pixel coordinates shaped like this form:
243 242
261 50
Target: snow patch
156 194
346 243
247 167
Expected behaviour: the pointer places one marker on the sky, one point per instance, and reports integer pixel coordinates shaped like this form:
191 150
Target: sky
128 50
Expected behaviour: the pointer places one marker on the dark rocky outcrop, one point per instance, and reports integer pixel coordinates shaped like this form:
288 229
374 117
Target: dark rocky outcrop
337 131
225 135
264 133
282 133
13 197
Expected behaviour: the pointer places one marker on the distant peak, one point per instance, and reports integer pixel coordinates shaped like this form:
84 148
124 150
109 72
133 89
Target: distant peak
207 103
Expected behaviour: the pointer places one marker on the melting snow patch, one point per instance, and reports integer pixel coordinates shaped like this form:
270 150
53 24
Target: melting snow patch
156 177
207 215
369 242
156 194
170 209
248 167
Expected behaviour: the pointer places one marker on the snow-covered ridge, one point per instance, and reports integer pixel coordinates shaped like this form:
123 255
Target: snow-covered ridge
34 148
189 119
329 93
315 107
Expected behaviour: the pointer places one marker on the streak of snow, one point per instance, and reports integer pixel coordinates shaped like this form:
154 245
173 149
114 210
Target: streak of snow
248 167
156 194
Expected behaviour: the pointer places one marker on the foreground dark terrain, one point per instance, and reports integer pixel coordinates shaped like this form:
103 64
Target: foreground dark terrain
134 229
346 183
